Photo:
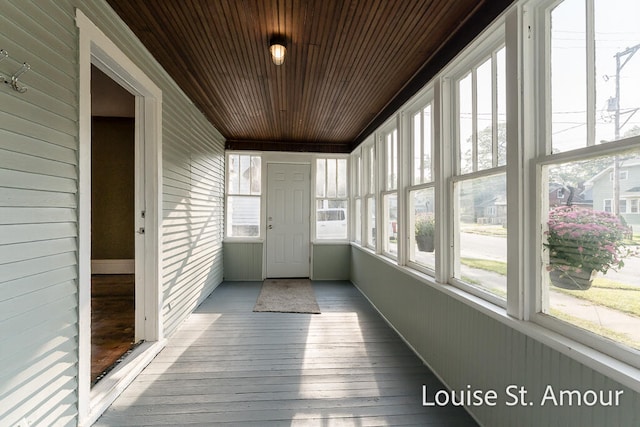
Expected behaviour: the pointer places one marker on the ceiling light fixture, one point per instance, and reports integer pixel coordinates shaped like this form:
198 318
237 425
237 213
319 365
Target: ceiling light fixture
278 48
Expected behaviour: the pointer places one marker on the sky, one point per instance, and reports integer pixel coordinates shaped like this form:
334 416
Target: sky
616 29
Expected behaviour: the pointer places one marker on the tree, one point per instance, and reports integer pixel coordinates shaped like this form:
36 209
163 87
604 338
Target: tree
484 149
634 131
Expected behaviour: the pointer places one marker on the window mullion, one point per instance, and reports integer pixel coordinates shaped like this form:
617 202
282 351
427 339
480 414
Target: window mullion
403 180
494 109
519 214
591 72
421 138
443 137
474 119
379 188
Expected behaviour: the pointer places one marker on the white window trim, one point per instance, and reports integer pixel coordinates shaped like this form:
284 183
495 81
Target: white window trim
410 224
527 127
484 48
384 187
315 198
369 189
244 239
425 98
533 52
622 174
356 194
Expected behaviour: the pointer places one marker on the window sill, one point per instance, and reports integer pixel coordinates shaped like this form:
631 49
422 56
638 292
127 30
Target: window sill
243 240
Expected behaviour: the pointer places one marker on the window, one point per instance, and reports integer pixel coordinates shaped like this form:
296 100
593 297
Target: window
574 139
586 108
422 222
422 165
390 195
480 197
622 174
623 206
331 199
243 195
588 247
589 257
357 193
370 195
422 227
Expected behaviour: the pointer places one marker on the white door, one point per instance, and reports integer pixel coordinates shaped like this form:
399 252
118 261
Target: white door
288 220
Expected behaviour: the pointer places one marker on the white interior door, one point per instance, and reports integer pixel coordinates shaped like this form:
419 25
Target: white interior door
288 220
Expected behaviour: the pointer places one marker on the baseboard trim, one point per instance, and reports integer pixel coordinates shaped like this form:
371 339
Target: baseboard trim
105 392
113 266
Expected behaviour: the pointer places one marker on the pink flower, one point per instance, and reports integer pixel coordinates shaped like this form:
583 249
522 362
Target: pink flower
584 239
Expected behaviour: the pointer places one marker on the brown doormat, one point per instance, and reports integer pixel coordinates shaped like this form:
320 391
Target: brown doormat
287 296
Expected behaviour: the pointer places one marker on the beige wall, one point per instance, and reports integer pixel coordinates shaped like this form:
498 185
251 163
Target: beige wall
112 192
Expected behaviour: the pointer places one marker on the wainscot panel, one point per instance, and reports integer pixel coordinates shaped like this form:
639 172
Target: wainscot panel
471 351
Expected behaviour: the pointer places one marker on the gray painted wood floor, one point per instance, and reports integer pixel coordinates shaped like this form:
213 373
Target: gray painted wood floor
228 365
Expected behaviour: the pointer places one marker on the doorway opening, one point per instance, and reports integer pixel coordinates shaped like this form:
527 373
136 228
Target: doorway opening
113 194
144 267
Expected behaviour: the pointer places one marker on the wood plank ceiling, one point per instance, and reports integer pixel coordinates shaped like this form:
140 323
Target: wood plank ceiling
349 63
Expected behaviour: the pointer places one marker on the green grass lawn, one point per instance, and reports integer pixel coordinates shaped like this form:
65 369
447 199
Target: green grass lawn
485 230
499 267
595 328
615 295
605 292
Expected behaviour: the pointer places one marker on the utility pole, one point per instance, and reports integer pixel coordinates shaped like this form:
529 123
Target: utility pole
627 54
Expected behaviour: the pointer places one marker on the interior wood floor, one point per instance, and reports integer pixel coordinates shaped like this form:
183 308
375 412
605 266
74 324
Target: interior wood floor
227 365
112 320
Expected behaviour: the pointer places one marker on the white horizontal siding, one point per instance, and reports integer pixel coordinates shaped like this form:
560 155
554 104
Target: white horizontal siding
20 215
38 230
38 205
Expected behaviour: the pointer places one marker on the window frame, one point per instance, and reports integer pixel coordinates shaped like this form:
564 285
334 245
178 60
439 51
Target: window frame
539 52
357 169
259 196
314 220
370 188
388 139
426 98
528 151
477 54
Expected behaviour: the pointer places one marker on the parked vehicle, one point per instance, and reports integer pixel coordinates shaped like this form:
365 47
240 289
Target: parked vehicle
331 223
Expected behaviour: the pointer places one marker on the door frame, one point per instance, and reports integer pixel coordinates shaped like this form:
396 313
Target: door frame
97 49
266 209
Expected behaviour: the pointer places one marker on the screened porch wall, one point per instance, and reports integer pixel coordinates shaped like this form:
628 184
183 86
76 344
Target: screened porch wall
465 346
244 261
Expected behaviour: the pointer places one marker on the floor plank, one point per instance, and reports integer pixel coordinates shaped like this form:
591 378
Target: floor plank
112 320
229 365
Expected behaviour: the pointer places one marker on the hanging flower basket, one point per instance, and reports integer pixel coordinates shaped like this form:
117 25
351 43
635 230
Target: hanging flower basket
572 280
425 231
425 243
582 242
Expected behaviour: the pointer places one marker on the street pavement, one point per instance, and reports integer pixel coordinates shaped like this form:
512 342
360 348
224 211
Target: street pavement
575 307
